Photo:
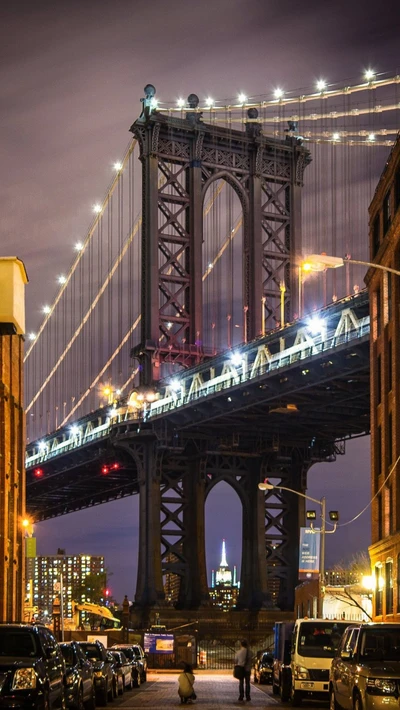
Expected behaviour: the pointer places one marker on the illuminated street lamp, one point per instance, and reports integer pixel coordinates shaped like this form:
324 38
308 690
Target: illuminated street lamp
321 262
311 515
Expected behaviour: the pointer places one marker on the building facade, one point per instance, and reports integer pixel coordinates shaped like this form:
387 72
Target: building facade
384 292
45 583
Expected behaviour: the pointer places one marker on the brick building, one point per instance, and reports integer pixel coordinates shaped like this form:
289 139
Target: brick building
384 290
12 437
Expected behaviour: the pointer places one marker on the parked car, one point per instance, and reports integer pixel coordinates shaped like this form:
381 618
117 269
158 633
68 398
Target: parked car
80 690
263 668
365 671
104 681
32 668
123 668
137 657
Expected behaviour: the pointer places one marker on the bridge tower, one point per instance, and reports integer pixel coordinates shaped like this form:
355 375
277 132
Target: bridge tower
181 157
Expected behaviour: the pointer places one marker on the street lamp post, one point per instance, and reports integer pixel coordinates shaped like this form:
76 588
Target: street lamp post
320 262
265 486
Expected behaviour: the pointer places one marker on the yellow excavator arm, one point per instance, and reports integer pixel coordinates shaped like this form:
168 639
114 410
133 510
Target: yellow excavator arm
96 609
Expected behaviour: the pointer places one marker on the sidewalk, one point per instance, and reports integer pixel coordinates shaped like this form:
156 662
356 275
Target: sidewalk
214 690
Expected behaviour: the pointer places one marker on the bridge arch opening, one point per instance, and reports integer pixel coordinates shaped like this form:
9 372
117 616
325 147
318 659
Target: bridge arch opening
223 522
223 283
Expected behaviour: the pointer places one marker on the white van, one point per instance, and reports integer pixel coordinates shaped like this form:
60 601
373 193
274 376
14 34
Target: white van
314 642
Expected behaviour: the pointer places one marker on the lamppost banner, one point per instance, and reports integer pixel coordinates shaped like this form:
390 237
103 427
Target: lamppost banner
309 551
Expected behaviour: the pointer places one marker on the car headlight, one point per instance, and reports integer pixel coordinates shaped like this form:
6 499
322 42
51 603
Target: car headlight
98 674
301 673
24 678
381 686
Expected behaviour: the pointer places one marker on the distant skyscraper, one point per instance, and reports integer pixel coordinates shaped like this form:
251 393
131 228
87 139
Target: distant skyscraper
224 585
45 576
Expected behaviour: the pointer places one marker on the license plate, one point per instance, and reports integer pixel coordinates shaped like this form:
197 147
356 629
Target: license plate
307 686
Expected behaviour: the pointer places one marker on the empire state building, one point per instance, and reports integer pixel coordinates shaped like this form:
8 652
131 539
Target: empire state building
224 585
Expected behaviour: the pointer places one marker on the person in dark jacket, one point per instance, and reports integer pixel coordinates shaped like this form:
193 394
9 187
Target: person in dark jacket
243 658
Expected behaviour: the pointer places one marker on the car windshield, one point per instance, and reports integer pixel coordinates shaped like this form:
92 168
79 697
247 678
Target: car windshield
92 652
129 653
320 640
68 653
266 661
18 644
381 644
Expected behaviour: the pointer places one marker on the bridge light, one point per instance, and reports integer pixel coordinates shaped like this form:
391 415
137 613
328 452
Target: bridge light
336 136
321 84
97 208
278 93
371 137
104 470
209 102
61 279
118 166
78 246
242 98
181 103
32 336
46 310
369 75
316 325
175 385
42 446
74 430
236 359
38 472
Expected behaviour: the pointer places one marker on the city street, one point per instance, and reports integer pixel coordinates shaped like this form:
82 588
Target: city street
216 689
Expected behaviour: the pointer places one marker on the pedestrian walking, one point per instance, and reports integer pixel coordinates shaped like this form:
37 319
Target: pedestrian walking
185 685
242 670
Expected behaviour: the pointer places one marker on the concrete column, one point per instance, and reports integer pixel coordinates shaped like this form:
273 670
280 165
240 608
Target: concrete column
254 592
149 587
194 588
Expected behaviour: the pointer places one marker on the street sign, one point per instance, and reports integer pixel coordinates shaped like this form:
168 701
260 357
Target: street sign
309 551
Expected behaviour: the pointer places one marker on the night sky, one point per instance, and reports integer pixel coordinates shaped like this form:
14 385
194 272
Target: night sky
71 77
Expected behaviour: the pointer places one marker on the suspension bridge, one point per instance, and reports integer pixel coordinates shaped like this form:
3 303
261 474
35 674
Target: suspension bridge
178 352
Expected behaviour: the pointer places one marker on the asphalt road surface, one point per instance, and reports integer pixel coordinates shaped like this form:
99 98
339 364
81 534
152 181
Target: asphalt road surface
214 690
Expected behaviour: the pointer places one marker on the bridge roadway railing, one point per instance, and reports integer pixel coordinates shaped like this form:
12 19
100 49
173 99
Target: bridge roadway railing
324 331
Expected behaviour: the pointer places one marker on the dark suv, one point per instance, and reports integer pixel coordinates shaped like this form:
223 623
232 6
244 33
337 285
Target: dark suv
104 682
137 657
32 668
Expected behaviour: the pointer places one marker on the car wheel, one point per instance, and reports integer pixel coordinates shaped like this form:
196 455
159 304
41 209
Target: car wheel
121 690
144 677
295 697
63 702
113 692
136 681
357 702
79 702
46 701
275 688
103 696
91 702
333 704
